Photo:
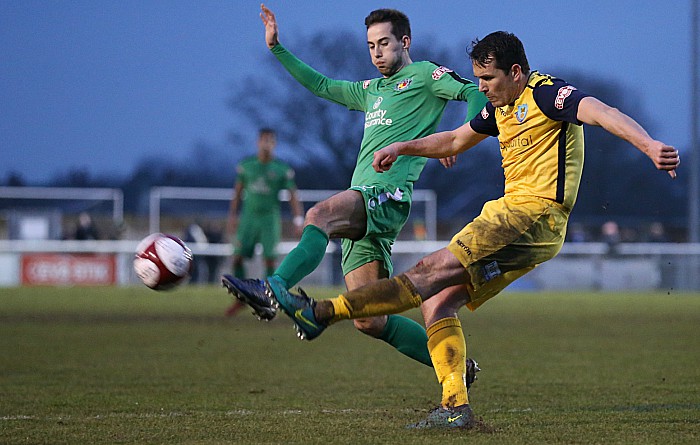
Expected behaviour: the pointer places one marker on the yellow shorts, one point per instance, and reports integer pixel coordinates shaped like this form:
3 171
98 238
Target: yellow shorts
511 236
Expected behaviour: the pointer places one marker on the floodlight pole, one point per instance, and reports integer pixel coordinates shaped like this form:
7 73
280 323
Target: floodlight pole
694 170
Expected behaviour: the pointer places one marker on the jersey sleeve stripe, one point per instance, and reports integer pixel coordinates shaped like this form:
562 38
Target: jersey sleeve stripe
459 79
453 74
561 160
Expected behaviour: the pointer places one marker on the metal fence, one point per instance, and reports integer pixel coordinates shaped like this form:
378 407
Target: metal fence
667 267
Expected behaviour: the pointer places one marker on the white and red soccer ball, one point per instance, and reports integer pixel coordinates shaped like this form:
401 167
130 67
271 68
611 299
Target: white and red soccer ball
162 261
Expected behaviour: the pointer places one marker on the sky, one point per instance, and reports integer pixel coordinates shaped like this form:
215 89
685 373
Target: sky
100 85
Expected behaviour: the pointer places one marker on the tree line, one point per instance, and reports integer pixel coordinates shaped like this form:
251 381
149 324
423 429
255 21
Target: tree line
321 139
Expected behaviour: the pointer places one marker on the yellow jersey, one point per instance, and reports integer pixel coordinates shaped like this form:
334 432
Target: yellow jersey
541 139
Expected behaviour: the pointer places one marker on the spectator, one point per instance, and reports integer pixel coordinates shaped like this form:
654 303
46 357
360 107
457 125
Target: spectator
577 233
214 235
85 229
610 233
656 233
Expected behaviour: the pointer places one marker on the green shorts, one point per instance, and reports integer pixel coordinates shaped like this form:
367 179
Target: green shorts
387 212
253 229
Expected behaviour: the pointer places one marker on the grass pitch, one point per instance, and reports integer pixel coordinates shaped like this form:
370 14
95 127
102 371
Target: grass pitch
133 366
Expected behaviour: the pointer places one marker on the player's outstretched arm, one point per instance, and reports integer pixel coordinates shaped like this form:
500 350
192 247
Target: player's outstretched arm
271 29
594 112
437 145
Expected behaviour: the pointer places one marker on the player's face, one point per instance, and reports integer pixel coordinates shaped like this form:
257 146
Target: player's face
500 88
387 52
266 143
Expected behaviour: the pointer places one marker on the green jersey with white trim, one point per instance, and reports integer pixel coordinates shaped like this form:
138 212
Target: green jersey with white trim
405 106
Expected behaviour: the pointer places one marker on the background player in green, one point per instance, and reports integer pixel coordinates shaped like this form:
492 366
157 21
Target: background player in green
406 103
259 180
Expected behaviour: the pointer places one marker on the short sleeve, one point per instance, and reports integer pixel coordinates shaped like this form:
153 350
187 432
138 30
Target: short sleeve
485 121
559 101
240 173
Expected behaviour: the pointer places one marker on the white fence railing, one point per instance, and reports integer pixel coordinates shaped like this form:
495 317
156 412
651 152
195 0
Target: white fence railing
116 196
159 194
584 266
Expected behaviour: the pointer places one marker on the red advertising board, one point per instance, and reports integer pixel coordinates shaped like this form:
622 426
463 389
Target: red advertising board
61 269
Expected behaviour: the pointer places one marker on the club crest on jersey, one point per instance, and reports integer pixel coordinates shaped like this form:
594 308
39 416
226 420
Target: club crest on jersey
365 84
521 113
438 73
484 113
377 102
403 85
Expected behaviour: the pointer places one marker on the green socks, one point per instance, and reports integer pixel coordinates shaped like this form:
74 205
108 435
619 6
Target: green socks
404 334
408 337
305 257
239 271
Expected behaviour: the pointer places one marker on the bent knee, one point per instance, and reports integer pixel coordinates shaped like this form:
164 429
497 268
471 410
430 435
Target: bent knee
314 216
373 326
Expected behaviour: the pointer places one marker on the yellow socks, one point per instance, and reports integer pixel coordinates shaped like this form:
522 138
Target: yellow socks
383 297
448 350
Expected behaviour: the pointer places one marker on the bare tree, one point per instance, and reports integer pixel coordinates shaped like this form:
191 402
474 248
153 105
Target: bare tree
325 137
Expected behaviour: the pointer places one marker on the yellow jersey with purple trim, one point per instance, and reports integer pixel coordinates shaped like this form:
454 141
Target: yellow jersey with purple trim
541 139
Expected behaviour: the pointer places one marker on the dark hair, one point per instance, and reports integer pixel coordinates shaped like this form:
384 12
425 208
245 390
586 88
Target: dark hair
266 130
504 48
400 26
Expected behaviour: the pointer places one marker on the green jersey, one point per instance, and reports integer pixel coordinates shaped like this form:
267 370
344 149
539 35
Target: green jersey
262 183
405 106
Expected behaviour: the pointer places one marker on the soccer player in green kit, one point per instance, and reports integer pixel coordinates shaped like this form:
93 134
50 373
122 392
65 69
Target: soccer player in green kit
259 179
406 103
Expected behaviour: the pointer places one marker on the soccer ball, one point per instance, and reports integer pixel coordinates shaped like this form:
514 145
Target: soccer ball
162 261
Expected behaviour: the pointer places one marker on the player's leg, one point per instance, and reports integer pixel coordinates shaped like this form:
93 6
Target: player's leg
238 266
270 265
369 259
247 236
440 271
244 244
493 259
340 216
470 248
432 274
269 239
365 274
243 247
404 334
447 344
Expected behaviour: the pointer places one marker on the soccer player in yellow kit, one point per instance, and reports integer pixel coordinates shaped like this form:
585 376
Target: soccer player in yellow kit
538 121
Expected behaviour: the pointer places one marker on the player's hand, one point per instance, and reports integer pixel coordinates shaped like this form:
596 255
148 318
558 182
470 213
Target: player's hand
385 158
271 30
449 161
665 157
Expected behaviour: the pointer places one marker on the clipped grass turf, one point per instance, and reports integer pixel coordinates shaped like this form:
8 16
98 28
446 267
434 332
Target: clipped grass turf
134 366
